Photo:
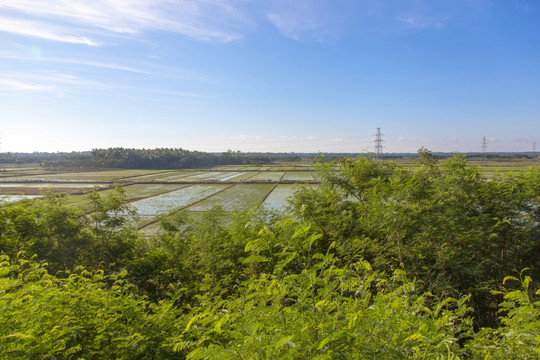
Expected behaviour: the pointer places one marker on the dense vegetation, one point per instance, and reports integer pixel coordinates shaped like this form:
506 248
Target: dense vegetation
379 262
32 158
121 158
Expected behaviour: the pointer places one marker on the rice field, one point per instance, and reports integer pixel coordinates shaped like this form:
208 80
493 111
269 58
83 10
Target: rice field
298 176
161 176
97 176
50 185
269 175
277 199
161 204
13 198
153 193
241 196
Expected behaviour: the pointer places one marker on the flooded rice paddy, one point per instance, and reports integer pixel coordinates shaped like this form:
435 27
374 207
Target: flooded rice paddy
154 193
164 203
13 198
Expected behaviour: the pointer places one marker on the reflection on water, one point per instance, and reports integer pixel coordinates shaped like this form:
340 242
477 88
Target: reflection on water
13 198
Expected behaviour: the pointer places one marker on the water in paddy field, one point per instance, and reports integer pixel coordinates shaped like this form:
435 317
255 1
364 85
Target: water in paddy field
278 197
13 198
161 204
241 196
298 176
232 176
50 185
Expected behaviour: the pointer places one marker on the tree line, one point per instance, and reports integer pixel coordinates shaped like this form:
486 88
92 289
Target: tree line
164 158
379 262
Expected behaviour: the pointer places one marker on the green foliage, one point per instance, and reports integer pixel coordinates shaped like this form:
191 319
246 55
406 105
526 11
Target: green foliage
45 317
443 223
373 264
48 228
325 312
519 335
114 241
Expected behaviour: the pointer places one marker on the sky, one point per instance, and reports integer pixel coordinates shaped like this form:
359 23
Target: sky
269 75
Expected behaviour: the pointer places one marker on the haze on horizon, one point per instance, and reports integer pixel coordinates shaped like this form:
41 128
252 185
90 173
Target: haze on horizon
277 76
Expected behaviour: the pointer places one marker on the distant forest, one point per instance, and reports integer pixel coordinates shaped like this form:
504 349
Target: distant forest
122 158
169 158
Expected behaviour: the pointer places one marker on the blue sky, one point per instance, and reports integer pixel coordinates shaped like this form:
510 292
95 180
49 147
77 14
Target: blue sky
269 75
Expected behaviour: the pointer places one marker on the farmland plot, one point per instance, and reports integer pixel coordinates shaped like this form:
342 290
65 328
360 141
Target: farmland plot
298 176
278 197
181 176
83 176
268 175
144 190
243 176
132 192
205 175
153 176
50 185
162 204
231 176
13 198
241 196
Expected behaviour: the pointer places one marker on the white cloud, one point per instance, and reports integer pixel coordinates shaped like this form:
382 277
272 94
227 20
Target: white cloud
304 18
212 20
248 137
292 25
74 61
336 140
10 85
88 22
405 139
285 137
43 30
417 21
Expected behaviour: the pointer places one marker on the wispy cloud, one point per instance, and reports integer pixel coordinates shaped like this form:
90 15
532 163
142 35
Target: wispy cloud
285 137
418 21
314 19
293 25
15 85
74 61
43 30
94 22
405 139
212 20
329 19
247 137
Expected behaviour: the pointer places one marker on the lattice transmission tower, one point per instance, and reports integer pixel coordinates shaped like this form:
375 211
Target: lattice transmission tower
378 144
484 149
